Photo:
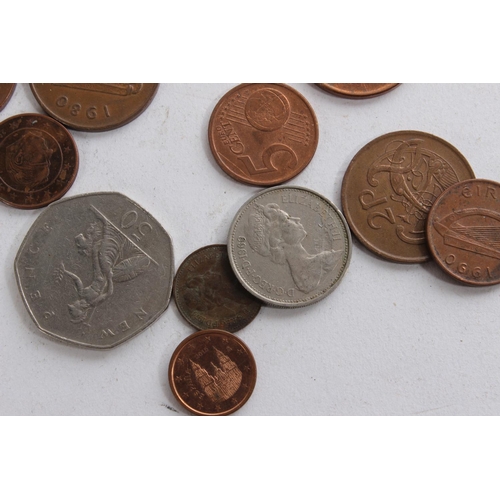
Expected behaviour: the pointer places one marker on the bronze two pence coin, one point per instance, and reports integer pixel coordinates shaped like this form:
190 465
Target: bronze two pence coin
390 186
209 295
263 133
463 229
38 161
94 107
212 372
6 91
357 90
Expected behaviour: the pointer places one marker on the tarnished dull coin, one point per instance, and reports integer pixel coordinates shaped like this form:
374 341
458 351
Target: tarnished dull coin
357 90
390 186
6 91
290 247
95 270
208 294
212 372
94 107
263 133
463 229
38 161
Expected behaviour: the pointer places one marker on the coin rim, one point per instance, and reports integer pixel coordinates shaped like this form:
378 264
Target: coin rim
348 95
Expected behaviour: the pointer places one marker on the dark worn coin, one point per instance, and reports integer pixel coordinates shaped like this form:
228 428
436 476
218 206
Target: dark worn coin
208 293
263 134
463 229
391 184
212 372
94 107
38 161
6 91
357 90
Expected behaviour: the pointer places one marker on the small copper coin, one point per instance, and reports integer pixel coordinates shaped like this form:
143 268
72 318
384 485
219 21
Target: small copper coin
94 107
390 186
463 229
38 161
263 133
209 295
6 91
357 90
212 372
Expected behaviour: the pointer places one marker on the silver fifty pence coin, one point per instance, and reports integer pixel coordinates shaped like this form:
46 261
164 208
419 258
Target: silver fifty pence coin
289 246
95 270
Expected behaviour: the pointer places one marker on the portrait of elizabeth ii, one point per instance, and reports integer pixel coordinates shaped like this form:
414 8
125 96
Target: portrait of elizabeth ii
273 233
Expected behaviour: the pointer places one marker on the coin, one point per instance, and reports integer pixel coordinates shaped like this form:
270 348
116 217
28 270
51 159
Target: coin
463 229
208 295
95 270
289 247
94 107
357 90
6 91
212 372
38 161
263 133
390 186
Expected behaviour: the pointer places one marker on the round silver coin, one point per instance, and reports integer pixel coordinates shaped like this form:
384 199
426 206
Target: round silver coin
289 246
95 270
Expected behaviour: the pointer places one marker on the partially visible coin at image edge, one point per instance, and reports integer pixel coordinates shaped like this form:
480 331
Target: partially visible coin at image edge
357 90
6 91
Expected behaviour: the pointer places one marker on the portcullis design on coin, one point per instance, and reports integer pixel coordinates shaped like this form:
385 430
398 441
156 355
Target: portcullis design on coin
212 372
290 247
95 270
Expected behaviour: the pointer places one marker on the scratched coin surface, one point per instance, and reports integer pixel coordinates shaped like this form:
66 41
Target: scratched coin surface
95 270
208 294
290 247
94 107
263 133
357 90
212 372
6 91
390 186
38 161
463 229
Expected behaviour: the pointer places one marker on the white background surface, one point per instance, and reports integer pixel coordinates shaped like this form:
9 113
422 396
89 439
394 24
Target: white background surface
392 339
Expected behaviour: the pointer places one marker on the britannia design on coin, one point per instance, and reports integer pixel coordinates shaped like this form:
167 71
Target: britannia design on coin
263 134
289 246
95 270
390 186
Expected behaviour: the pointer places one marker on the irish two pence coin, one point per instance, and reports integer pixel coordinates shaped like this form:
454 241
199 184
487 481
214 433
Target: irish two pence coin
263 133
38 161
208 294
94 107
95 270
390 186
463 229
357 90
6 91
212 372
290 247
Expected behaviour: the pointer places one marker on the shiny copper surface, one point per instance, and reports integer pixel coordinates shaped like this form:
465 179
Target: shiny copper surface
6 91
463 229
390 186
209 295
38 161
357 90
212 372
94 107
263 133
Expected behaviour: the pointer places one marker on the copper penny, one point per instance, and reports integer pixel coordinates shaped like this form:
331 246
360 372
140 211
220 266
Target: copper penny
209 295
6 91
94 107
38 161
390 186
463 229
212 372
357 90
263 133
